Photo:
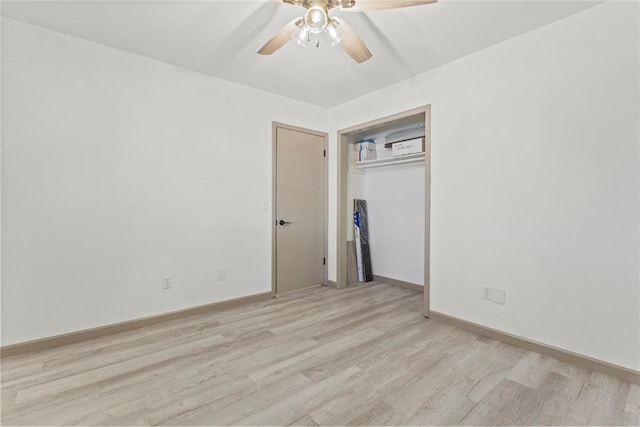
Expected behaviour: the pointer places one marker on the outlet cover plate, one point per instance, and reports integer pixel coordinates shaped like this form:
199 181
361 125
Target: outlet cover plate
166 282
222 275
487 293
499 295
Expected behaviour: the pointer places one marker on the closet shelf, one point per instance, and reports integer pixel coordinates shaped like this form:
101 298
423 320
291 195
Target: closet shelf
389 161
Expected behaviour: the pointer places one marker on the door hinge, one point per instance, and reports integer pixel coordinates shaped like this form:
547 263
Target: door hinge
324 153
324 261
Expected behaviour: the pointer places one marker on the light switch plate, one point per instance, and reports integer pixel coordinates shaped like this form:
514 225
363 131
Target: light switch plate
486 293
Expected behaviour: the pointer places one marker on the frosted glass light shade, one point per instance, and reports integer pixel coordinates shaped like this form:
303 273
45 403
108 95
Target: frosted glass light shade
316 19
302 36
335 34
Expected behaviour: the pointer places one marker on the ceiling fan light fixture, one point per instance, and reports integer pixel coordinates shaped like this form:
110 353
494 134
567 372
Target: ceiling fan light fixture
316 19
335 34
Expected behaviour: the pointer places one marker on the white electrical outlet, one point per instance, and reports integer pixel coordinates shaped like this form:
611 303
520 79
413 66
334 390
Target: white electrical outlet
487 293
222 275
499 295
265 205
166 282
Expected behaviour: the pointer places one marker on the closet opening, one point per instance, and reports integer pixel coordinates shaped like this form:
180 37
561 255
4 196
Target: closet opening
387 164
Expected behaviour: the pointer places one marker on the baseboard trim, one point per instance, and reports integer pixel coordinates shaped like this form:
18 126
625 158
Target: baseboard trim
625 374
400 283
101 331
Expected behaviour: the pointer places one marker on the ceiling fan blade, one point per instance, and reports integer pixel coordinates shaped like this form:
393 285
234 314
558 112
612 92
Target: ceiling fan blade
352 44
369 5
282 37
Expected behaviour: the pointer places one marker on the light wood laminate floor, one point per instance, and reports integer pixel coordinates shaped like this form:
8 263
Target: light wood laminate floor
360 356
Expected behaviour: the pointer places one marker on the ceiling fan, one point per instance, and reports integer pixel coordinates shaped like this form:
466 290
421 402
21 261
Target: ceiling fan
316 20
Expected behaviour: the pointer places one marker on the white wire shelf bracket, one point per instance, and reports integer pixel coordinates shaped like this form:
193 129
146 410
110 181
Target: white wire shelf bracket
390 161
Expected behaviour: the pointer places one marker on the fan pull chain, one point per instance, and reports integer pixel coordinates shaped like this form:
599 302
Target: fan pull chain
317 42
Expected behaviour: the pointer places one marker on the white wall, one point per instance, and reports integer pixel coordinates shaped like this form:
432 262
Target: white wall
117 170
535 181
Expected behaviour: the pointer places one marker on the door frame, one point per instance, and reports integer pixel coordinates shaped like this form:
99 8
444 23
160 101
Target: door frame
274 200
343 167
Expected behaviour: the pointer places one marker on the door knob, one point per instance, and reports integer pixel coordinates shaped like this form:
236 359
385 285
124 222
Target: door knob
283 222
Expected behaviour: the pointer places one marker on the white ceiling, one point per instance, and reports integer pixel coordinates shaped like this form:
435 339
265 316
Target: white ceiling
220 38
